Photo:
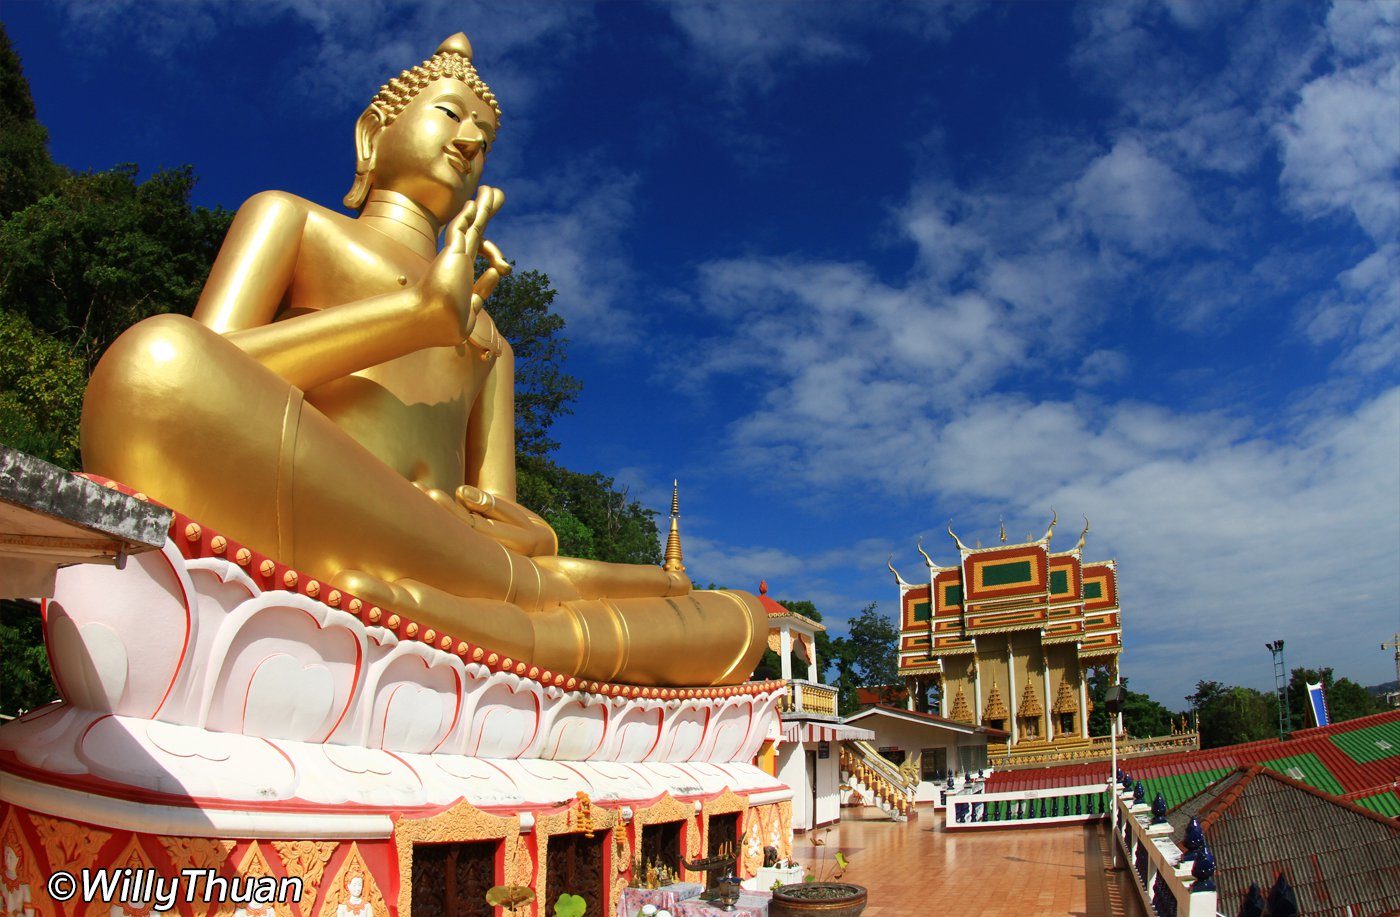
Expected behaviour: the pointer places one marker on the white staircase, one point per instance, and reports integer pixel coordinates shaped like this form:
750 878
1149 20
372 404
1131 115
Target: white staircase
877 779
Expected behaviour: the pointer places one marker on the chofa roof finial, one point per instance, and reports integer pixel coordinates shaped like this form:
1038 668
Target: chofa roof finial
1054 518
1080 545
898 580
957 541
927 560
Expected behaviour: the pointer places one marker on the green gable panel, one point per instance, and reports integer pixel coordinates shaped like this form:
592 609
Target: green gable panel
1059 582
921 611
1093 590
1309 769
952 595
1008 574
1373 743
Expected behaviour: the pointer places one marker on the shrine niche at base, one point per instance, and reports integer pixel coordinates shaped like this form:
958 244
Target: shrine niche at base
1007 635
355 669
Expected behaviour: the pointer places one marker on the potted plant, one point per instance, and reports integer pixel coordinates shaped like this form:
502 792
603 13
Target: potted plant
820 895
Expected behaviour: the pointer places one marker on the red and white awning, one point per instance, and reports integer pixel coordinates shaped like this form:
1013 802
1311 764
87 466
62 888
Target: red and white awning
806 732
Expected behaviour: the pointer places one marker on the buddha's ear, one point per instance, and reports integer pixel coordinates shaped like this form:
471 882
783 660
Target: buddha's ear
367 130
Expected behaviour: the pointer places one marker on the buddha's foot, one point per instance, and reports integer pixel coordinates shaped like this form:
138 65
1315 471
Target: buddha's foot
500 625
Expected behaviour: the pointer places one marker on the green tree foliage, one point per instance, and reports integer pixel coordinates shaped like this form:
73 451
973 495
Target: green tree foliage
82 264
25 682
1346 700
543 390
26 171
1143 717
1228 715
592 517
868 657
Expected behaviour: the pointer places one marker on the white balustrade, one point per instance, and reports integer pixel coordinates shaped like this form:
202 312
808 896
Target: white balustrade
1050 806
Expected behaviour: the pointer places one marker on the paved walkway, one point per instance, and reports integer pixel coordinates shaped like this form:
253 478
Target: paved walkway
917 868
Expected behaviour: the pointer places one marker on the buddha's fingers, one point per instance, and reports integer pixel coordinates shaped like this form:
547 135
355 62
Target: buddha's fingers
533 535
443 499
456 236
495 259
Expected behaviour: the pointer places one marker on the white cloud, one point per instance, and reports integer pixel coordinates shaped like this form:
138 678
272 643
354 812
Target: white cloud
1341 148
357 44
569 226
749 46
1134 200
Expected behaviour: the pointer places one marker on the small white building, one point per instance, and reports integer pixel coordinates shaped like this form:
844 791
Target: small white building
939 747
807 754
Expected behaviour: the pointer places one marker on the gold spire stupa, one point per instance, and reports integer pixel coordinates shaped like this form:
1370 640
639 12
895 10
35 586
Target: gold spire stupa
674 561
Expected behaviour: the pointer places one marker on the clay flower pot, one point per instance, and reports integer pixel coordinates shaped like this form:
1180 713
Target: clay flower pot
818 899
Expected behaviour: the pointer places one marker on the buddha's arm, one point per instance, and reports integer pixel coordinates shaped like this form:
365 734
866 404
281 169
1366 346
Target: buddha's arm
490 471
248 285
255 268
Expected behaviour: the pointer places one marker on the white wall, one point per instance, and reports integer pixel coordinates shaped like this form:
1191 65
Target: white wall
792 770
829 785
912 739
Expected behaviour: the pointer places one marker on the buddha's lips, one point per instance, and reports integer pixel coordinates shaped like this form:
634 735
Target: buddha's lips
458 161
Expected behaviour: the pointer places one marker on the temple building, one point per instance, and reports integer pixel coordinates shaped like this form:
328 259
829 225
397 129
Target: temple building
1006 636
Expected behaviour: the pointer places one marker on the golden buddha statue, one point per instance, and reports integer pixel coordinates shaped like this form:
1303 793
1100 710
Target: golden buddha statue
342 401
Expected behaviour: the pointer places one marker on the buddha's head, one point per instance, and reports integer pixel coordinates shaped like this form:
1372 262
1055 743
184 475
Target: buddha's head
426 132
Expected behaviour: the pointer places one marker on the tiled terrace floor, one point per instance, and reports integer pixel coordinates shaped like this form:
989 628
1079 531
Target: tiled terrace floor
916 868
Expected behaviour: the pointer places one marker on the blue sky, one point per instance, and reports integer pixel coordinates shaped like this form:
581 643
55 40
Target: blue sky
849 271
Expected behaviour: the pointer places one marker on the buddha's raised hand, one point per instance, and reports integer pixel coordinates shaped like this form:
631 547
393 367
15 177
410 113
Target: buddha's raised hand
449 301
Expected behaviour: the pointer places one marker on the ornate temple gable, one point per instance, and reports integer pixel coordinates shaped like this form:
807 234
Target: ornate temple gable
995 708
1065 699
1103 626
1030 702
961 712
1100 586
914 602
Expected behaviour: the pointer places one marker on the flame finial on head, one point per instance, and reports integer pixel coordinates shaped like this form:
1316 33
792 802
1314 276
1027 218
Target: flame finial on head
456 44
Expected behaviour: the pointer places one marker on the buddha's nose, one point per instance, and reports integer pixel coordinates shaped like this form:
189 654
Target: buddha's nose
469 141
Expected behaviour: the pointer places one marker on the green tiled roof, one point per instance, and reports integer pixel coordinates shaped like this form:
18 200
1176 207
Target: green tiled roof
1309 769
1370 744
1386 803
1179 787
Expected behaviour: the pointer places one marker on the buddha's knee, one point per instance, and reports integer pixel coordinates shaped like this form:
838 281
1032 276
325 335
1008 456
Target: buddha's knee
173 405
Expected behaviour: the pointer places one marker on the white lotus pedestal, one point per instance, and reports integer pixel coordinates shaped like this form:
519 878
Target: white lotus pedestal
212 721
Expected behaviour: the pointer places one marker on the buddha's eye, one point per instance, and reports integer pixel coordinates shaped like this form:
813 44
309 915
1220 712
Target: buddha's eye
449 112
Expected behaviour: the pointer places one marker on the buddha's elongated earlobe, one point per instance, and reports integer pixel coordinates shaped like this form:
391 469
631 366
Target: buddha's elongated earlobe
367 130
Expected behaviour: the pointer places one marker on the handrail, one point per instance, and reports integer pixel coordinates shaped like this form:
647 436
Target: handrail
897 798
1095 751
813 697
871 755
1164 885
1047 806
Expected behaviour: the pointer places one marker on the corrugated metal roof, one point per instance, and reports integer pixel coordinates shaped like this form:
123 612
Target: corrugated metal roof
1336 855
1344 758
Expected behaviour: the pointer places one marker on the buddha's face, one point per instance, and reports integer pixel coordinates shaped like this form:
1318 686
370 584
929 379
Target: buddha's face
357 886
435 150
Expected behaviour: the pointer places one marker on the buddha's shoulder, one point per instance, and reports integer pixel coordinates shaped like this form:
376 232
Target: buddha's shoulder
272 204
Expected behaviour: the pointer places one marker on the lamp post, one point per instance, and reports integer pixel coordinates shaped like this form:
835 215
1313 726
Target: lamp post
1285 715
1113 703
